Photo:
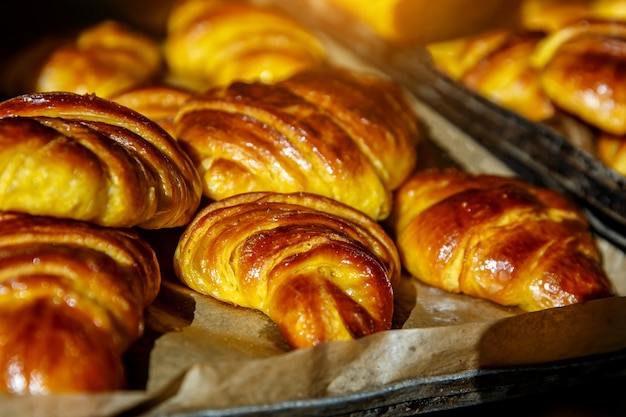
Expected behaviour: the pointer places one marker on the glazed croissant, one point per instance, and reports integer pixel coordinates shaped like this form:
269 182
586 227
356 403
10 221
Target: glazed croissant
611 150
85 158
344 135
102 59
497 238
72 299
496 64
214 42
319 269
582 71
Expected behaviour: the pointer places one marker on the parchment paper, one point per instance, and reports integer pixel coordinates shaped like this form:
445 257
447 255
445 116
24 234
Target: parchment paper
201 354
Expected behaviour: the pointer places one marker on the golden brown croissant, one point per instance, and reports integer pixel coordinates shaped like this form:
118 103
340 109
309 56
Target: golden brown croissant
72 299
348 136
87 158
102 59
497 238
582 71
496 65
321 270
214 42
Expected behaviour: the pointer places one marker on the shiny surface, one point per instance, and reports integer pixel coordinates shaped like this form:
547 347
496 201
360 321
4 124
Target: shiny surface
497 238
303 134
319 269
71 300
105 163
582 69
497 65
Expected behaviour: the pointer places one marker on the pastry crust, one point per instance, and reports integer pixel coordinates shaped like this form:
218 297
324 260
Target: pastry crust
497 65
82 157
321 270
497 238
72 297
304 134
214 43
158 102
583 71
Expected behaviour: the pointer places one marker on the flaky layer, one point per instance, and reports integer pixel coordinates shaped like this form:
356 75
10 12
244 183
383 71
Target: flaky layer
83 157
339 134
72 297
321 270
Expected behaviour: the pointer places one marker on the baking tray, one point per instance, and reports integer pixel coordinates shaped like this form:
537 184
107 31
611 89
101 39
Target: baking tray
441 393
534 151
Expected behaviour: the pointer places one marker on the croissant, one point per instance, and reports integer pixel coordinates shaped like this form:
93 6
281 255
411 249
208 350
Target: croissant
497 238
582 71
72 302
320 270
102 59
215 42
344 135
496 64
422 21
86 158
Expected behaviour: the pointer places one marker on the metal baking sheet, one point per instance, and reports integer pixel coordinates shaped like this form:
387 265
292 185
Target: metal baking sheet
446 392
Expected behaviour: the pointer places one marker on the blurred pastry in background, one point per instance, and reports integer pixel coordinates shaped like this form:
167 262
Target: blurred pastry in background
612 151
549 15
102 59
213 43
496 64
583 71
158 102
423 21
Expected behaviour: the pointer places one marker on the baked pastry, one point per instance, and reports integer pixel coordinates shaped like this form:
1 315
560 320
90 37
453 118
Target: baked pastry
87 158
320 270
344 135
72 300
215 42
551 15
158 102
102 59
496 65
497 238
582 71
611 150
